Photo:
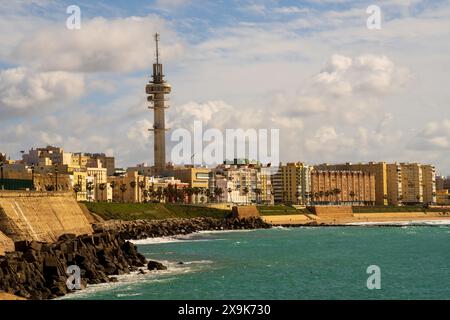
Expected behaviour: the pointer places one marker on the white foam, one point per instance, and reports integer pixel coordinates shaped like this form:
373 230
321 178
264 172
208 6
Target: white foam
224 231
174 239
123 295
403 223
186 238
126 282
198 262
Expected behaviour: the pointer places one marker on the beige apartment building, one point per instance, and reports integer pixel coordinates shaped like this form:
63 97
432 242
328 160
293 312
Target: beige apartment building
378 169
265 185
394 182
67 161
292 183
429 184
129 187
243 183
343 187
411 183
134 188
193 176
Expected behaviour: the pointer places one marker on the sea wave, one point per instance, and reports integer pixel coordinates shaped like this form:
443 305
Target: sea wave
282 228
223 231
198 262
124 295
195 236
171 239
127 283
404 223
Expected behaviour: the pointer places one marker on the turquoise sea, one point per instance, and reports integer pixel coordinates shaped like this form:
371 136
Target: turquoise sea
292 263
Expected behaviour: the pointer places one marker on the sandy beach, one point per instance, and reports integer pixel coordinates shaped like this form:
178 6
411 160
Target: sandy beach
359 218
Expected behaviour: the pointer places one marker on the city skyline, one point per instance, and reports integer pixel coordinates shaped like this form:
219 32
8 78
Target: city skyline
337 91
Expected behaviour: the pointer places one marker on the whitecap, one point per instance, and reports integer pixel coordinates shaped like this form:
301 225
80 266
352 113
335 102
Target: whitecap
123 295
403 223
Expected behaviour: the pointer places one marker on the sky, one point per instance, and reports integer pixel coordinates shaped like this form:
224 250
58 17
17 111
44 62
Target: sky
336 90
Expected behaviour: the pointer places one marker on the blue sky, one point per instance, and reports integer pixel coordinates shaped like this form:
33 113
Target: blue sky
336 90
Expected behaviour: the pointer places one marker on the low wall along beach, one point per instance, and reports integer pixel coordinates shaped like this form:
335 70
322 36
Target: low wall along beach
335 215
41 216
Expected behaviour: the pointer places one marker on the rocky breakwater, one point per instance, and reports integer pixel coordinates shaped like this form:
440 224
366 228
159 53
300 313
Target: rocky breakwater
142 229
37 270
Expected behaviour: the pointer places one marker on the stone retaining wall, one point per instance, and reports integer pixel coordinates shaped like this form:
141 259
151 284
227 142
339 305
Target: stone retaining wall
41 216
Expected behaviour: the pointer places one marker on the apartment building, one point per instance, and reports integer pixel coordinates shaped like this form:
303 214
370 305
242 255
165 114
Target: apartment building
292 183
378 169
343 187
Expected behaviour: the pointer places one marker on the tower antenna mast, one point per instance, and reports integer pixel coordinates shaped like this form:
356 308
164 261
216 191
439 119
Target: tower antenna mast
157 47
157 90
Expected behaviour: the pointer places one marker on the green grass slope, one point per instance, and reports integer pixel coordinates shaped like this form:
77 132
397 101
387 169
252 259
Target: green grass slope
151 211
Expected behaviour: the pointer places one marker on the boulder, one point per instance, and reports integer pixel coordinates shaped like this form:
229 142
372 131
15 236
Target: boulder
155 265
67 236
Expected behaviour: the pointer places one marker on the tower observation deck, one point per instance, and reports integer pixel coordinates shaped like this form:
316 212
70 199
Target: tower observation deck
157 89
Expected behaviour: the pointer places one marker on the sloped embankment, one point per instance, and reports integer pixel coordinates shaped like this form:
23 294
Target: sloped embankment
41 216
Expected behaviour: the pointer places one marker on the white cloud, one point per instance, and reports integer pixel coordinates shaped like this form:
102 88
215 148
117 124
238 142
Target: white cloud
23 90
435 135
123 44
367 74
290 10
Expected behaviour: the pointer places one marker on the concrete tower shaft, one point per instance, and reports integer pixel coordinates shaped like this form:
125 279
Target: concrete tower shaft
157 89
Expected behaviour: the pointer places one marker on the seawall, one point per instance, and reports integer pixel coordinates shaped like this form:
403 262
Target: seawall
41 216
338 219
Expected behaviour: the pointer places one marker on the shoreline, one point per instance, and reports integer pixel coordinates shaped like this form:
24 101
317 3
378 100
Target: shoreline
38 270
385 218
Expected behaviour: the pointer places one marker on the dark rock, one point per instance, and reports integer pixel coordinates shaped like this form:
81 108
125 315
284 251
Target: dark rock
155 265
67 237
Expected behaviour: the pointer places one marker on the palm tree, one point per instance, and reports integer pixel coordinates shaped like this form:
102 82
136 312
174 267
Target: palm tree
246 191
152 192
337 192
77 189
123 188
307 195
352 195
159 193
258 193
208 194
90 187
327 199
196 191
145 193
102 187
181 195
141 188
218 192
315 197
113 185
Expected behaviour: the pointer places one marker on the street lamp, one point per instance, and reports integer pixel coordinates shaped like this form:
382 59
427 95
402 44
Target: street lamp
1 169
32 176
56 177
